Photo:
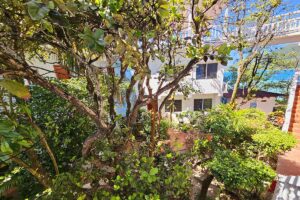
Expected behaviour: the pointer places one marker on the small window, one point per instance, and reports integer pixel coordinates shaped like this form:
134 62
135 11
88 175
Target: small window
212 70
198 104
253 105
202 104
207 104
201 71
175 106
206 71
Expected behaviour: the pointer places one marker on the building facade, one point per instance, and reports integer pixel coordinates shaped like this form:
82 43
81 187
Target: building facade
206 80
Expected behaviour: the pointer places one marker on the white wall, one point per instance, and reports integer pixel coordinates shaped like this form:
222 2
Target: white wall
188 102
203 86
265 104
45 69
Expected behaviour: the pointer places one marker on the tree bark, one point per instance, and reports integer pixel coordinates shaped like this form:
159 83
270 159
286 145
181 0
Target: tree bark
154 124
46 145
235 88
204 187
88 143
43 179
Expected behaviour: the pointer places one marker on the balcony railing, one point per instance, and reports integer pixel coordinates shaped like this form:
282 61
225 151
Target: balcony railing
282 25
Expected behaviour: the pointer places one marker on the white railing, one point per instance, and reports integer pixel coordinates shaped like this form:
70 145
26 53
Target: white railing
283 26
289 109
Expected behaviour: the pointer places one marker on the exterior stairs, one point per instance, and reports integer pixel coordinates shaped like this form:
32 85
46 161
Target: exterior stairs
295 117
288 165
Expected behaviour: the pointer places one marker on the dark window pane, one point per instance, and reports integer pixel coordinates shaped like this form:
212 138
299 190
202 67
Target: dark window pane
253 105
175 105
168 106
207 104
198 104
200 71
212 70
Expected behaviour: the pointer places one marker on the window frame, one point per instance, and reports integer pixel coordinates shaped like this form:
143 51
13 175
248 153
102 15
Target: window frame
202 104
206 71
167 104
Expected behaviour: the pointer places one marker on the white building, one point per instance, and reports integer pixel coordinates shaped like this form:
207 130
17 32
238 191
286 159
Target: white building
206 79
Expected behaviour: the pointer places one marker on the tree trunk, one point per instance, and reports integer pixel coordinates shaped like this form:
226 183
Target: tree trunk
236 87
153 110
204 187
42 178
46 145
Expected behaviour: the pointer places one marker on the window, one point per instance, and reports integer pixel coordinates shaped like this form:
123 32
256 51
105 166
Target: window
206 71
176 105
198 104
202 104
253 105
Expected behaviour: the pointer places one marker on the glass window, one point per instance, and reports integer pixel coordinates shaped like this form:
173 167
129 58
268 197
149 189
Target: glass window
198 103
205 71
175 105
212 70
201 71
207 104
202 104
253 105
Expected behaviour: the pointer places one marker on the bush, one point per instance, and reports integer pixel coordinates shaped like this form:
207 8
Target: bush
64 126
239 173
241 146
191 121
274 141
277 118
143 126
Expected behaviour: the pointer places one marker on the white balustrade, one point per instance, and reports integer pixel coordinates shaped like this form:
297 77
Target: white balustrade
283 26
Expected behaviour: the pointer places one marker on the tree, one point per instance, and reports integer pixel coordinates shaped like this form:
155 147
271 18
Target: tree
19 132
101 41
246 26
271 71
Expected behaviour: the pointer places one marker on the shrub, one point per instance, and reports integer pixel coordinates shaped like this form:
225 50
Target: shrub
239 173
191 121
274 141
242 146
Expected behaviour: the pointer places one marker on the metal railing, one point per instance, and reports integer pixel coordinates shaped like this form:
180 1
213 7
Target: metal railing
282 25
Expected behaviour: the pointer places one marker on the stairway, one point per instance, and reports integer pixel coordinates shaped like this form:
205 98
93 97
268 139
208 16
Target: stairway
288 165
295 117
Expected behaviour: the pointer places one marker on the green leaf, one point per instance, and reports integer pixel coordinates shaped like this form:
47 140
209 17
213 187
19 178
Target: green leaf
93 40
6 126
51 5
37 11
15 88
5 148
4 158
81 197
24 143
11 134
47 25
153 171
98 34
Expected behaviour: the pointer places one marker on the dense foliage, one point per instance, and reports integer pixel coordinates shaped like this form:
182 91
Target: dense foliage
242 149
66 139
